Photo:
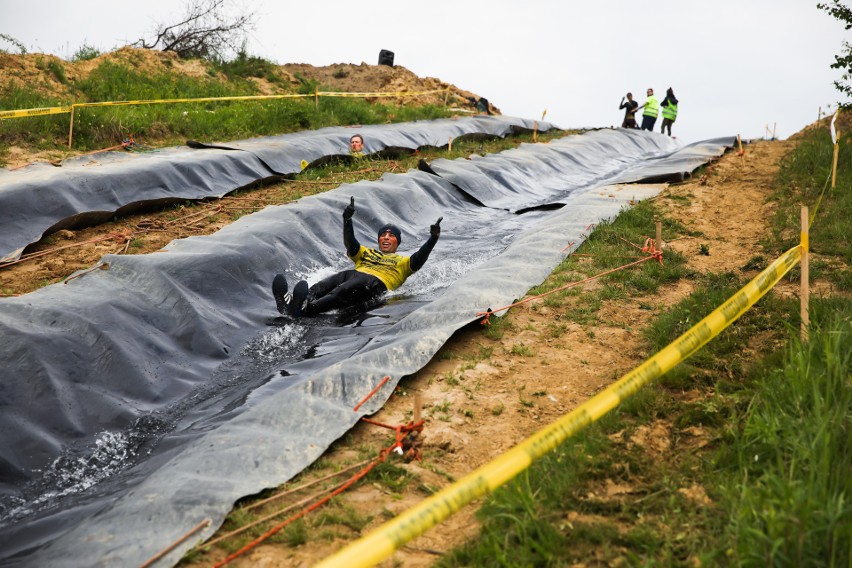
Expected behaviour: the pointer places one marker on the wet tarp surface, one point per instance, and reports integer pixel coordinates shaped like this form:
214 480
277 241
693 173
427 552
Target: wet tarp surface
89 189
139 400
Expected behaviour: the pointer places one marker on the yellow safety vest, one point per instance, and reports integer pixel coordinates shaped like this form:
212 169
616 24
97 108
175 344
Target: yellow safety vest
652 107
670 111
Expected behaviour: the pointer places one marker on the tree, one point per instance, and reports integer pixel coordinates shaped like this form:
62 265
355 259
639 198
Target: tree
14 41
207 31
839 10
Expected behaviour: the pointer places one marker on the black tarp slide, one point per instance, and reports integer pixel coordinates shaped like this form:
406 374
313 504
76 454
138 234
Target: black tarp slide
89 189
144 398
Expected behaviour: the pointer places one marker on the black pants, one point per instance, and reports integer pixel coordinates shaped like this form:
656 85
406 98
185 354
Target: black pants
667 124
648 122
342 290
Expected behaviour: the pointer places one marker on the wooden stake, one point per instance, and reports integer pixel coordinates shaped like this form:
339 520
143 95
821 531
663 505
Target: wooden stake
446 96
804 294
742 152
834 164
316 98
71 128
659 239
418 406
835 135
535 131
449 145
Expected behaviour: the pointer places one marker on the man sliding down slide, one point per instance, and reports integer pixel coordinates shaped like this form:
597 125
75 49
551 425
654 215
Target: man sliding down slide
375 272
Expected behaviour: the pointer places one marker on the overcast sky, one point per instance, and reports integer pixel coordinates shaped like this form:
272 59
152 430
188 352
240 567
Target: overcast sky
737 66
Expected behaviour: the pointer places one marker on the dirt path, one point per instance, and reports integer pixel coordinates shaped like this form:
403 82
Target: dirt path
482 396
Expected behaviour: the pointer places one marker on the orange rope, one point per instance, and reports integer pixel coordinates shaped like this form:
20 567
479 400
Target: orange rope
302 487
372 392
401 432
203 524
383 455
25 257
658 255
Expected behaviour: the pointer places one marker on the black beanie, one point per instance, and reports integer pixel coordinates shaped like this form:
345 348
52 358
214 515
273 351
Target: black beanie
394 230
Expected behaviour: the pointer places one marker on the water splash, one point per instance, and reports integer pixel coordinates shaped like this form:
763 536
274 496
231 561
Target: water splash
277 344
69 474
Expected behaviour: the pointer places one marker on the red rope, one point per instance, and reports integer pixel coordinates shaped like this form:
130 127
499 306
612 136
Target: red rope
401 433
372 392
656 254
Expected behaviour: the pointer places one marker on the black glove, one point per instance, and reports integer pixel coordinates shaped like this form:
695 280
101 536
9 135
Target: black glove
350 210
435 230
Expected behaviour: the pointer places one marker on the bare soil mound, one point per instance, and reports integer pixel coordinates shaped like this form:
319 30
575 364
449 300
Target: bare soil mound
54 78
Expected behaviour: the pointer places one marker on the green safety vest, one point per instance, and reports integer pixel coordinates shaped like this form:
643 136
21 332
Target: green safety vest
652 107
670 111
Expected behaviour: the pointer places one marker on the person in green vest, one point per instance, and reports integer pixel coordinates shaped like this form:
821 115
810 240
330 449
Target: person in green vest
669 106
652 110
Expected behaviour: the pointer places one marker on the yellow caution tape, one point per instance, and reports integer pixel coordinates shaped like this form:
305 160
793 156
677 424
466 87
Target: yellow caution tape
67 109
23 113
381 543
198 100
379 95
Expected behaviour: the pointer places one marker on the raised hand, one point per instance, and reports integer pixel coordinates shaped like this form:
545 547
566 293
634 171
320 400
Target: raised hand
350 209
435 230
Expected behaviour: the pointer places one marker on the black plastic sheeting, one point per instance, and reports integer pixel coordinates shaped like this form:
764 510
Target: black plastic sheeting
41 198
141 399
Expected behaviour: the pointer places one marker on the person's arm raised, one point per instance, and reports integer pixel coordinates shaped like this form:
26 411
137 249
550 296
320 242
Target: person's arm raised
349 241
419 258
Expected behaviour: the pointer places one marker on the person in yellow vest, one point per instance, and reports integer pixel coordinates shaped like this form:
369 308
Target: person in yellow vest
652 110
375 272
669 106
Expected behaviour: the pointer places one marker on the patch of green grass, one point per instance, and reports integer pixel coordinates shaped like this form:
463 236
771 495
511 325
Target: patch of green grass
793 446
683 199
446 355
344 516
522 350
611 246
442 411
757 262
56 69
496 327
293 535
804 177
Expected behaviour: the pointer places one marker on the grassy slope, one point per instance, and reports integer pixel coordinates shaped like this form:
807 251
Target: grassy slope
772 488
